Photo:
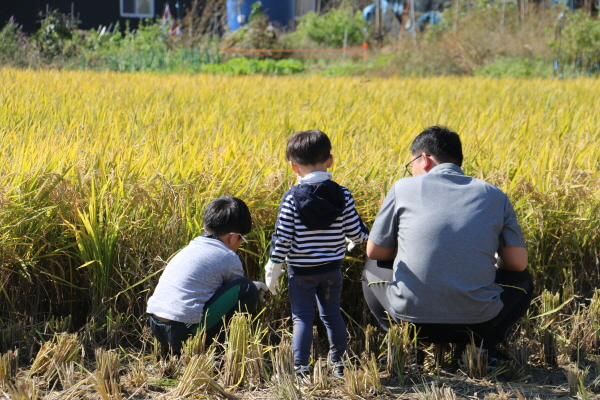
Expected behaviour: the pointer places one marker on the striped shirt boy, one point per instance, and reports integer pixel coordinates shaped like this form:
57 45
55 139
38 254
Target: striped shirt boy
313 223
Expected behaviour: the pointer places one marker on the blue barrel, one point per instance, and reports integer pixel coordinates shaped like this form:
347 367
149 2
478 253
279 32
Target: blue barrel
280 12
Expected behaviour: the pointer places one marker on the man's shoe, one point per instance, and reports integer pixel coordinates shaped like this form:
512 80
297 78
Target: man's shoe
302 373
495 358
382 362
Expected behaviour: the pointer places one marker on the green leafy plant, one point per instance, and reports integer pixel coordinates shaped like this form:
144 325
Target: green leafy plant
328 30
248 66
577 46
516 67
12 41
56 35
148 48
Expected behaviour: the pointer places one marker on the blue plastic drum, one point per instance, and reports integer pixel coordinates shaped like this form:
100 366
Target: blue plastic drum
280 12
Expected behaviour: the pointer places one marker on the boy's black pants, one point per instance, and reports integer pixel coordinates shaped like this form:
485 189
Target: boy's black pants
516 298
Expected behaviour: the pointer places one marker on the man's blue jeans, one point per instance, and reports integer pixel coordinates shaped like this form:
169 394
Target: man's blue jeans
326 289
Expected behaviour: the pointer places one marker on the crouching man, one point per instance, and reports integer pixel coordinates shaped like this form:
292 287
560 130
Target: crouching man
432 252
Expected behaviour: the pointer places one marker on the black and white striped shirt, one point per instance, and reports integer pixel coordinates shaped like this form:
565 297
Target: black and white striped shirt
302 247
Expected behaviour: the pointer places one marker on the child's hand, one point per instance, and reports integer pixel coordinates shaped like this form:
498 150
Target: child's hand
262 291
350 244
272 272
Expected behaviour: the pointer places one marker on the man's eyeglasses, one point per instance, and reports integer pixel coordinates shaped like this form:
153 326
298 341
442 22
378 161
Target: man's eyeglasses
242 236
406 167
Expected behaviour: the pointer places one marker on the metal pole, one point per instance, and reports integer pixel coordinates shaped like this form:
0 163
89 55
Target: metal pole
377 17
413 24
365 46
503 16
345 42
455 23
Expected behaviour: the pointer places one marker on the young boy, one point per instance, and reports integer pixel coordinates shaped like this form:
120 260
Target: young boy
315 218
205 281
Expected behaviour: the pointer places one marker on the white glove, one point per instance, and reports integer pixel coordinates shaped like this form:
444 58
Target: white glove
262 290
272 272
350 244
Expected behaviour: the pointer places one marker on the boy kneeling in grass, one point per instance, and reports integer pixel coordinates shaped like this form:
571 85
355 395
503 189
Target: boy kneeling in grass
205 281
315 218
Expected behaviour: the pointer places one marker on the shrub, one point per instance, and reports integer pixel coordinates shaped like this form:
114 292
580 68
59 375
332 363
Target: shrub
12 42
328 30
577 47
478 42
149 48
516 67
57 36
246 66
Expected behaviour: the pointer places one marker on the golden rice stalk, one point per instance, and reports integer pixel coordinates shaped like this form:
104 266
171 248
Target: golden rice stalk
283 383
474 361
501 395
26 389
355 384
363 380
197 379
9 364
372 380
255 368
320 378
195 345
137 375
400 343
550 348
370 339
435 392
66 374
106 375
596 383
576 380
62 349
170 367
243 359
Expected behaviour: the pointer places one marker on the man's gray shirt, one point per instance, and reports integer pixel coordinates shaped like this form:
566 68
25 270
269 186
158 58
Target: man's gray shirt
447 227
191 278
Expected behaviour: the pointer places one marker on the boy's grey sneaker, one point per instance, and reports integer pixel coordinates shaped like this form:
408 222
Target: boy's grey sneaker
338 370
302 373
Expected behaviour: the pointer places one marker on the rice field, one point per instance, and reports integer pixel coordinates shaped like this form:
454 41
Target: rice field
103 176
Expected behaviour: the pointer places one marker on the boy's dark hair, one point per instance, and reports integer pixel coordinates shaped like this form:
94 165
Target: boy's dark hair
440 142
227 214
308 147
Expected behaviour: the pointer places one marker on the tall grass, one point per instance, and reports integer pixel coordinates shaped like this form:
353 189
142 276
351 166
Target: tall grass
104 176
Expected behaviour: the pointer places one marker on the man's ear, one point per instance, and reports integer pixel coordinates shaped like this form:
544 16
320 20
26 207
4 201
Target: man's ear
329 161
295 167
427 163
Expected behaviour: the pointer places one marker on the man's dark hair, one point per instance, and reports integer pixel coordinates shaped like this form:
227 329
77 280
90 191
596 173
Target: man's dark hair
308 147
440 142
227 214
